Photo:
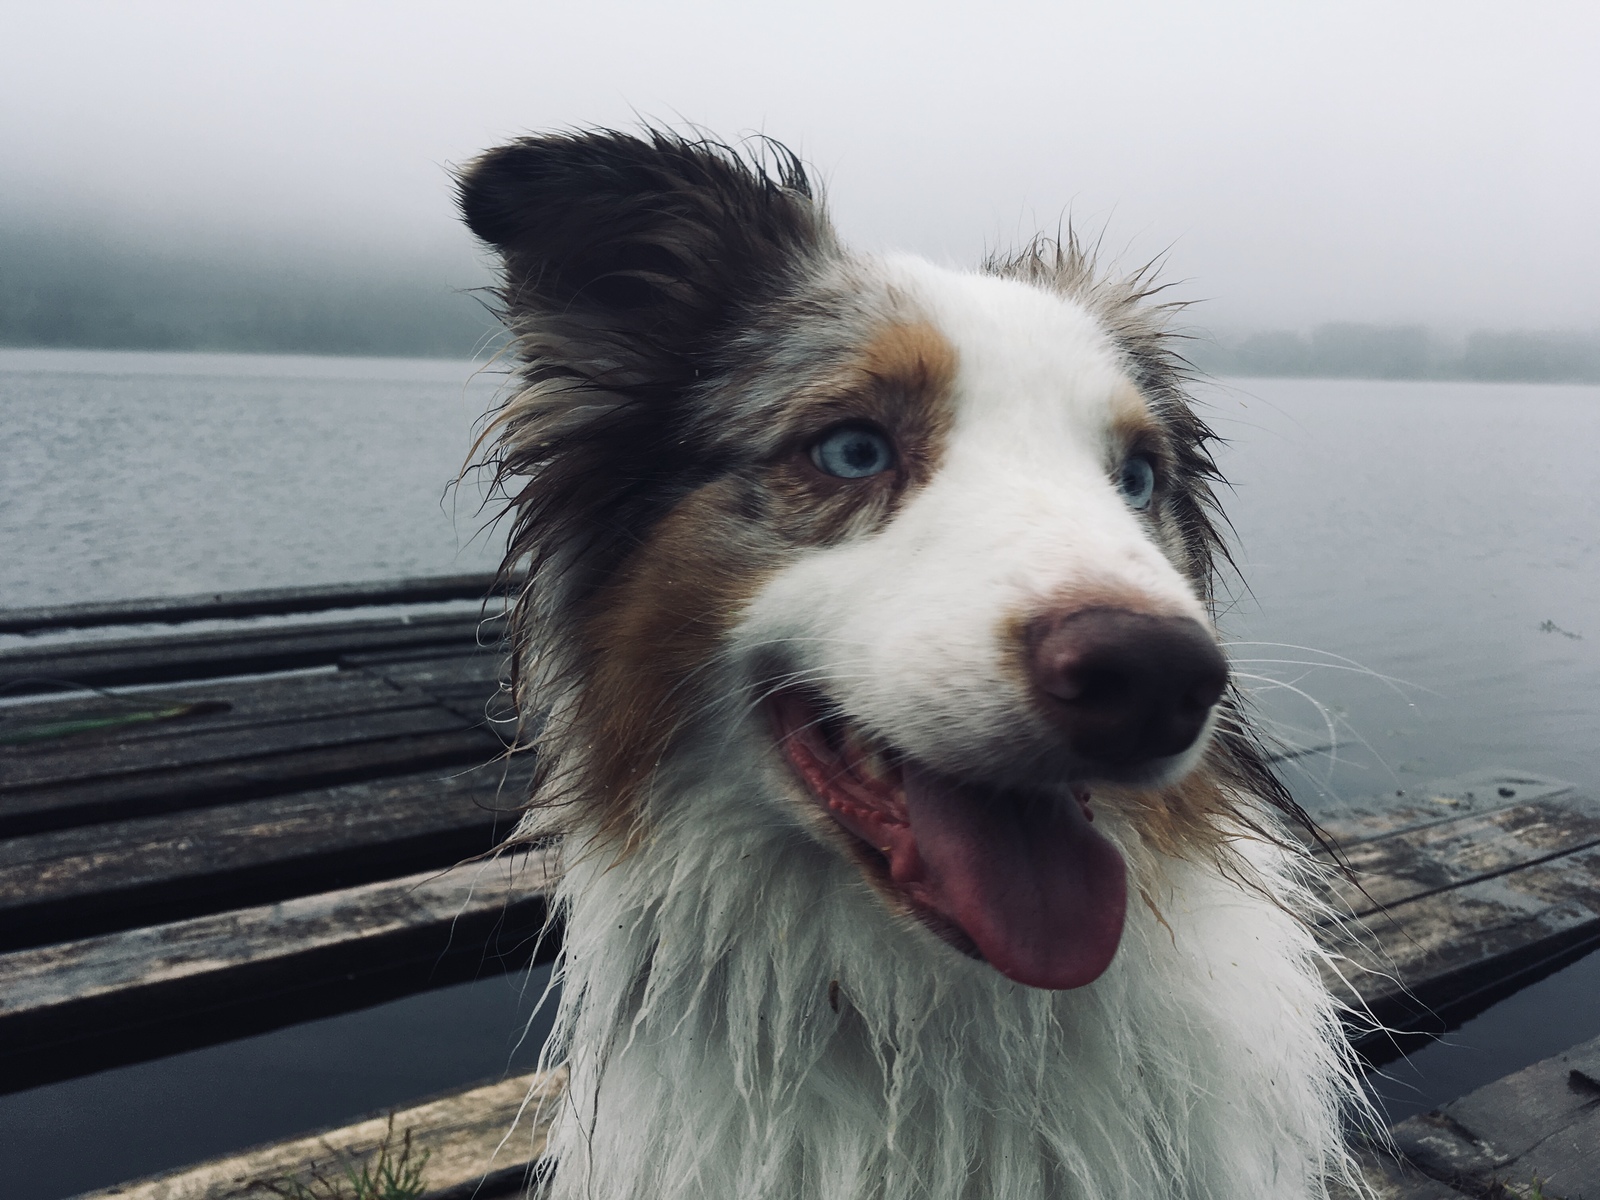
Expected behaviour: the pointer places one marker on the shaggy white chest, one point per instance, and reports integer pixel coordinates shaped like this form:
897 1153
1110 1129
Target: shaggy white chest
743 1020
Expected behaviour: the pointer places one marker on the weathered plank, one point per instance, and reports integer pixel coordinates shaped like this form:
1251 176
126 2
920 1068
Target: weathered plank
1471 903
1420 861
454 742
432 672
123 997
476 687
479 1141
46 724
1498 883
1391 1179
1443 800
482 1141
75 882
233 652
92 756
1541 1125
1435 962
110 763
256 602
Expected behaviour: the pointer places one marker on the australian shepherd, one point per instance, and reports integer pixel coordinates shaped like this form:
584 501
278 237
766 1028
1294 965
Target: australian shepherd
914 841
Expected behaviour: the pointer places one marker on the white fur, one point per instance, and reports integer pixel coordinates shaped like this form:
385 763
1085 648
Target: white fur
706 1058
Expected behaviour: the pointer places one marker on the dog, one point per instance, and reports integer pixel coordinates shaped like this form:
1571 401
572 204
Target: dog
914 840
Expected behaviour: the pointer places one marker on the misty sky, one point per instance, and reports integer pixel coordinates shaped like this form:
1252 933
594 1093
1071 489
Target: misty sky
1297 162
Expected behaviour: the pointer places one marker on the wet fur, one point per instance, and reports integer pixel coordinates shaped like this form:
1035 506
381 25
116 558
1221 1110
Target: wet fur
742 1015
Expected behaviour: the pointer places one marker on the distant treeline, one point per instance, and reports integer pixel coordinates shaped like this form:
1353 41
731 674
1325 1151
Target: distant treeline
60 289
1350 351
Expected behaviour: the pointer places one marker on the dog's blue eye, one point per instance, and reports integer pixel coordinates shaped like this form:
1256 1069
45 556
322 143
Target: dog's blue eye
1137 481
853 452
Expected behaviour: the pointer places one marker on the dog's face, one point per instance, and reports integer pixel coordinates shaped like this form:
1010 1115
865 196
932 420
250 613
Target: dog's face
932 543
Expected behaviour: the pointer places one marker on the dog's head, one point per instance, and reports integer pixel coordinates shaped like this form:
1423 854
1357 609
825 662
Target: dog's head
935 544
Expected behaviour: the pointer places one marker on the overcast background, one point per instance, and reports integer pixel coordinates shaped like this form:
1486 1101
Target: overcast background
285 167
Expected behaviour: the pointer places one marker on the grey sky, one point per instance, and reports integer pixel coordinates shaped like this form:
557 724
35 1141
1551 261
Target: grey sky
1303 162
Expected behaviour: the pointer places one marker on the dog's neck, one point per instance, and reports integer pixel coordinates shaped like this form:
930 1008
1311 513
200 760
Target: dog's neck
744 1019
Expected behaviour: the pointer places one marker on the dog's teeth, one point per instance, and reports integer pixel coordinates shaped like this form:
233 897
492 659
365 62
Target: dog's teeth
867 758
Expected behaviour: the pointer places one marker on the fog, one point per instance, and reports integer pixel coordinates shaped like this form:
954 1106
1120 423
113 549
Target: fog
1295 165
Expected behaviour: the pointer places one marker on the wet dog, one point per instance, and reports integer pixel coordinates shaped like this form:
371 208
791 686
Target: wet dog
914 842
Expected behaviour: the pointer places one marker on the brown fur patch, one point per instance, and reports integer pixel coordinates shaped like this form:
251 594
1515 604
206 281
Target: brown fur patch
1133 426
1185 820
664 615
901 382
657 625
912 355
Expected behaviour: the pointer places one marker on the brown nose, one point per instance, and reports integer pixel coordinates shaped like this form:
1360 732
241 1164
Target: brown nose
1126 687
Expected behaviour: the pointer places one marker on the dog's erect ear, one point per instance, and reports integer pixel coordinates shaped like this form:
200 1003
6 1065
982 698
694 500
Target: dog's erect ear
653 244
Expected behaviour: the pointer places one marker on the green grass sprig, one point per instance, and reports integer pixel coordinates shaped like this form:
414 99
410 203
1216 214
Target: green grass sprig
389 1173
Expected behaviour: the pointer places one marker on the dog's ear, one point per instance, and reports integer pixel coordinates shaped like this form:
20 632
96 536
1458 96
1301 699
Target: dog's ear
648 246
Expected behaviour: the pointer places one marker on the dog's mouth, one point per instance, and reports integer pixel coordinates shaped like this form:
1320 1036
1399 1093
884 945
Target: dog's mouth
1023 879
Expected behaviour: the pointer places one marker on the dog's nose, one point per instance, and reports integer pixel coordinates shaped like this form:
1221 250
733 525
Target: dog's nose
1124 686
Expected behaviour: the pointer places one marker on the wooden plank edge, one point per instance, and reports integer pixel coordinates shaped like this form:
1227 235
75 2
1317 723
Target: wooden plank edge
235 886
255 602
112 761
68 1009
1374 818
1412 1013
215 784
1391 1178
207 656
480 1141
1414 1018
1359 906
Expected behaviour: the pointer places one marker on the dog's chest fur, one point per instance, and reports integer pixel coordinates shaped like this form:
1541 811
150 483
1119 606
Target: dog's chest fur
708 1059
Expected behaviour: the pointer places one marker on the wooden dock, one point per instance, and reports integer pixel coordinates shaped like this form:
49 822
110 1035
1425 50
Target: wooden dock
209 832
1539 1127
1463 892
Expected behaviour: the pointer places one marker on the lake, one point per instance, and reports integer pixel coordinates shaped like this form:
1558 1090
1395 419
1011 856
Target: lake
129 474
1423 562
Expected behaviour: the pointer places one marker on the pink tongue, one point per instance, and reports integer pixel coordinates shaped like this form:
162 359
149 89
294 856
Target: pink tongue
1039 890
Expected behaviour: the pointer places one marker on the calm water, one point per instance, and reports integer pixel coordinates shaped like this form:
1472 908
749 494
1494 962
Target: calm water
1444 541
1423 562
130 474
